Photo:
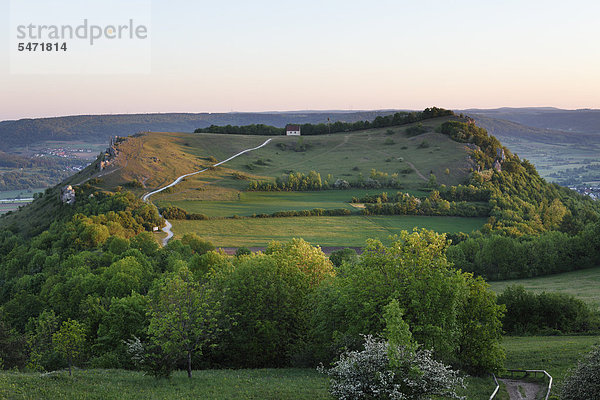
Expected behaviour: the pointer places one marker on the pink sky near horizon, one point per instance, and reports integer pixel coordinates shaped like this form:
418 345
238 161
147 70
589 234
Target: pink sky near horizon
454 55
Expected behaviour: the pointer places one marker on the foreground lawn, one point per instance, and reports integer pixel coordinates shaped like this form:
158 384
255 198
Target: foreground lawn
583 284
273 384
323 231
212 384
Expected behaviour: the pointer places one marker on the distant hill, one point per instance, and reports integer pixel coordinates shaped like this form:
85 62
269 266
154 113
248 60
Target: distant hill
582 121
506 130
99 128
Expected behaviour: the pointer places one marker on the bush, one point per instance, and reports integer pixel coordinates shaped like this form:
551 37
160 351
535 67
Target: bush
242 251
583 382
150 358
531 313
343 255
370 374
415 130
197 244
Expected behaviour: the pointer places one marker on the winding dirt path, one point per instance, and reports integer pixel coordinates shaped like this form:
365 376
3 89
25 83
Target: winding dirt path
521 390
168 225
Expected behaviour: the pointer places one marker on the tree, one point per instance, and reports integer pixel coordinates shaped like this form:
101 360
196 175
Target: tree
432 182
181 316
197 244
343 255
69 340
42 356
583 382
242 251
437 302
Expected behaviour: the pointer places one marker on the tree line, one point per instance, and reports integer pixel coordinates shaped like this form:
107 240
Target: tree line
399 118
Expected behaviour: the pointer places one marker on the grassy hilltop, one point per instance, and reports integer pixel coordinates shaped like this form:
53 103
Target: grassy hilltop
156 159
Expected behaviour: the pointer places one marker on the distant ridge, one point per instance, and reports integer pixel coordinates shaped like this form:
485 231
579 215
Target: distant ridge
581 120
99 128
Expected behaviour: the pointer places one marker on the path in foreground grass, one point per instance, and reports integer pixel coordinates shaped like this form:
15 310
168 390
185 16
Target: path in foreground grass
583 284
323 231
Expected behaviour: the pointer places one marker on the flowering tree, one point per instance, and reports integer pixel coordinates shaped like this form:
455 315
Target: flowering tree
583 383
370 374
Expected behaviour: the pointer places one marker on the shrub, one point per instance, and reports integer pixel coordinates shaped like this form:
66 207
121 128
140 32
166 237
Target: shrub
369 374
528 312
389 141
150 358
583 382
343 255
242 251
197 244
415 130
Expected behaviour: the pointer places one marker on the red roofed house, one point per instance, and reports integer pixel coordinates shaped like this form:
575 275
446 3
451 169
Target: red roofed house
292 130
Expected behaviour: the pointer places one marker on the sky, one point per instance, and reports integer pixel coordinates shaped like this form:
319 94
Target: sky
263 55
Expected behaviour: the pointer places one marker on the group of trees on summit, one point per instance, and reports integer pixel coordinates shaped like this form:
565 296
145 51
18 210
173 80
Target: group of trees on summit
396 119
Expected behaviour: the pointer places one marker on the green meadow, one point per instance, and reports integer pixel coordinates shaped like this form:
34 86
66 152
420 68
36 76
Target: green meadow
249 203
323 231
583 284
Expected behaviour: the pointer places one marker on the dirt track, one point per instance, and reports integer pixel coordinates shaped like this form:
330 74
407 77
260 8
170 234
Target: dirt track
167 228
530 389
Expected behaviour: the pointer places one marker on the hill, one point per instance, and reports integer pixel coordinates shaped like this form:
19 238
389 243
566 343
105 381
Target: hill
94 263
100 128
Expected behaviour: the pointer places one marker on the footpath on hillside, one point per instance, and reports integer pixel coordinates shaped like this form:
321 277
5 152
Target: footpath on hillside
168 225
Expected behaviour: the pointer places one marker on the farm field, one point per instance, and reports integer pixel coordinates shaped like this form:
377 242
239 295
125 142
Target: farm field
322 231
15 194
583 284
269 202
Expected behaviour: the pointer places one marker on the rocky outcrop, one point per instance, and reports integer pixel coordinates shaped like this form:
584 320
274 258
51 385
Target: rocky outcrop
67 195
109 155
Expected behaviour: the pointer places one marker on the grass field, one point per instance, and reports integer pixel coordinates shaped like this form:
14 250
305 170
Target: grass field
275 384
250 203
554 354
323 231
212 384
157 158
583 284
